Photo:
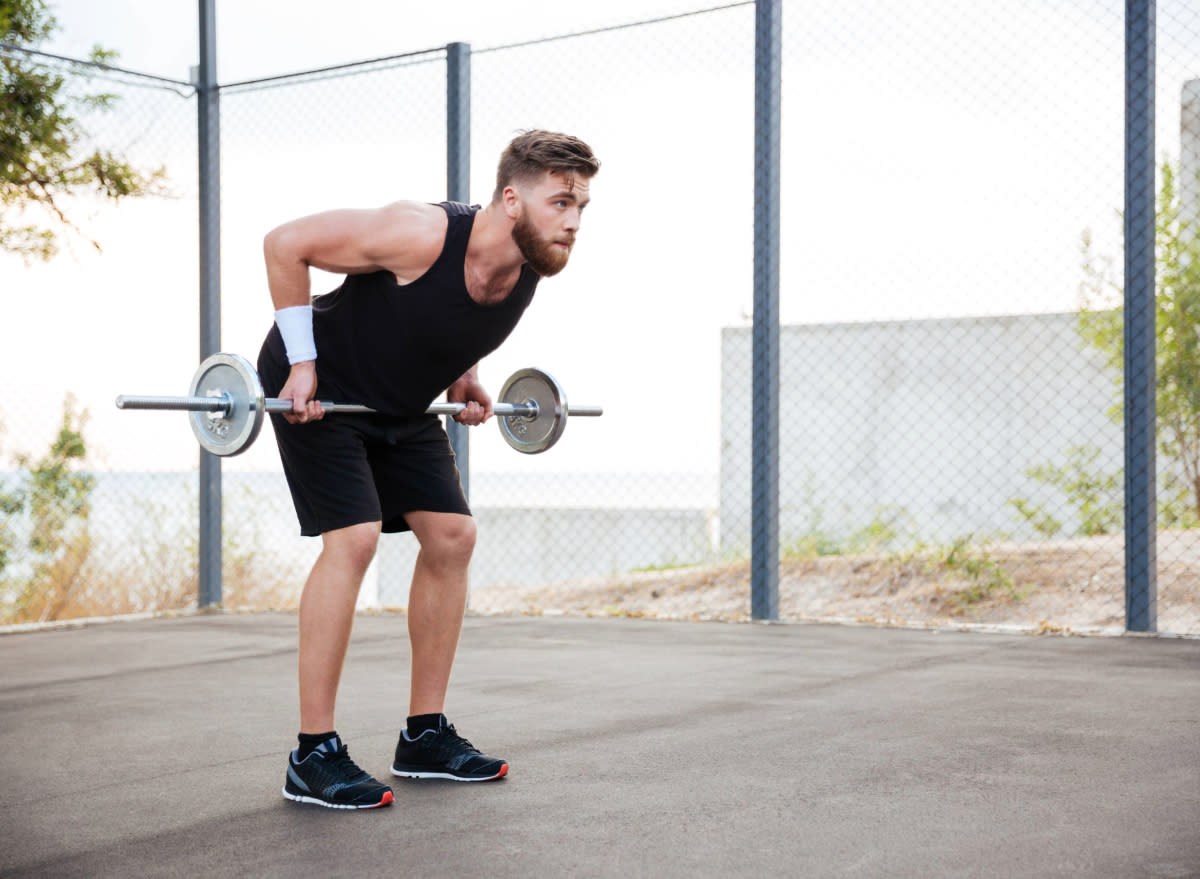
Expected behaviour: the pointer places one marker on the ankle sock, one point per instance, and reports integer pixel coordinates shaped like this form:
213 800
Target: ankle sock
420 723
309 743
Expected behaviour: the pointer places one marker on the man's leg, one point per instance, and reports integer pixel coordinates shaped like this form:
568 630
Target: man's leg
436 603
430 747
320 771
327 617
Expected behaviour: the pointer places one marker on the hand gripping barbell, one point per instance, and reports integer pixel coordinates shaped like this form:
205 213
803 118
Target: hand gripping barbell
227 405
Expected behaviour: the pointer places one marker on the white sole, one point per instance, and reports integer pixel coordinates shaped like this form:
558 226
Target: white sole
406 774
300 798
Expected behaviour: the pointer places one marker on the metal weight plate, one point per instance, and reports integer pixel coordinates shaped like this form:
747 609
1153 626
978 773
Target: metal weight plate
228 433
533 435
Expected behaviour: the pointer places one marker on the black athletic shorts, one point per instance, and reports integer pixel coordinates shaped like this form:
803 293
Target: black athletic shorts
347 469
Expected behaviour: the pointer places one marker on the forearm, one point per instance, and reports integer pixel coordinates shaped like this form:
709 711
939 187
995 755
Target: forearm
290 289
466 387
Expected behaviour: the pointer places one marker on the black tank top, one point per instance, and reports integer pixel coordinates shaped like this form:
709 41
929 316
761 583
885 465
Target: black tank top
395 347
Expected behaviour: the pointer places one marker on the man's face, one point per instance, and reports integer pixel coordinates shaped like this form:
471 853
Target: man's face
547 220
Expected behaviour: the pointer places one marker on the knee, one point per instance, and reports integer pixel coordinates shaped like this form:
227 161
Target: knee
451 540
355 545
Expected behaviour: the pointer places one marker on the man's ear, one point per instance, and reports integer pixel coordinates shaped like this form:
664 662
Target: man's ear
511 199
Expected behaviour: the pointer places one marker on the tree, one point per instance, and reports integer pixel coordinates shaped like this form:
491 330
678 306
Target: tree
1177 330
49 504
45 154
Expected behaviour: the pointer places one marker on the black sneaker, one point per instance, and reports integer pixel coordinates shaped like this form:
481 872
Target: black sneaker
443 753
328 777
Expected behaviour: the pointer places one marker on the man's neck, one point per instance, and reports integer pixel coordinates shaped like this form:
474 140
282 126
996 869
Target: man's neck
493 261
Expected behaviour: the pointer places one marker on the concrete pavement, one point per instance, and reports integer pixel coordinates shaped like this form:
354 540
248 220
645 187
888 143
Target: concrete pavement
156 747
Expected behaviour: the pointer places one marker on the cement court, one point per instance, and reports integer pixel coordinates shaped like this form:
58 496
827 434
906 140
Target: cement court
156 748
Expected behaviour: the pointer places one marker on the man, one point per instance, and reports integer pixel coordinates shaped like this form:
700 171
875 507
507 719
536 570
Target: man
429 291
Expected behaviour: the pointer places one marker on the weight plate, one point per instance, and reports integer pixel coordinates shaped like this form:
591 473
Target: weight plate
228 433
533 435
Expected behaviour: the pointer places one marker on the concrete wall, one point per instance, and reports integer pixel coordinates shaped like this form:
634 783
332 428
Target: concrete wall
937 418
532 546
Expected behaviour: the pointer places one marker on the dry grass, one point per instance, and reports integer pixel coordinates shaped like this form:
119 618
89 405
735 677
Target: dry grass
1075 585
160 575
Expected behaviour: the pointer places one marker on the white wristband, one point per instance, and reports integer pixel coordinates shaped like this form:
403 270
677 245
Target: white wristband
296 327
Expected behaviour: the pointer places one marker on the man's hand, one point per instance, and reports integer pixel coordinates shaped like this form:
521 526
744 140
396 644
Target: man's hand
300 388
468 390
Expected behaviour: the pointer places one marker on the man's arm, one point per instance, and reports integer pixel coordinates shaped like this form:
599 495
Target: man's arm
468 389
404 238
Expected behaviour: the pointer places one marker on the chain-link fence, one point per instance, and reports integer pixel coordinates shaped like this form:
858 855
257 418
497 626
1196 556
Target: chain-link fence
116 309
951 439
952 422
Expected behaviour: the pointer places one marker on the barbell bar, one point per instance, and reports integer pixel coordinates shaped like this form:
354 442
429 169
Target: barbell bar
227 406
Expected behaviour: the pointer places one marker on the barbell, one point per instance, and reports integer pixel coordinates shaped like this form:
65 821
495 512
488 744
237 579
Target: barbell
227 406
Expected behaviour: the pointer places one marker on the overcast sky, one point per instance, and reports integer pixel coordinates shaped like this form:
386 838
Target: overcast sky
938 161
138 276
266 37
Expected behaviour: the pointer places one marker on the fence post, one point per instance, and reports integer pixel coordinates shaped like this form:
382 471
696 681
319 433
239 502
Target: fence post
209 150
1141 557
764 504
458 185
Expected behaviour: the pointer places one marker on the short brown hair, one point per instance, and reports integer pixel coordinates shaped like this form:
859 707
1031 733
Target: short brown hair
533 153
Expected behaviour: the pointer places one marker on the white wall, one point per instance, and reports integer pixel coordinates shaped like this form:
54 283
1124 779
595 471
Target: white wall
534 546
940 418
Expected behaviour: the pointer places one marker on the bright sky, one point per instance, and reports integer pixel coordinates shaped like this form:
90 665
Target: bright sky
150 346
266 37
937 162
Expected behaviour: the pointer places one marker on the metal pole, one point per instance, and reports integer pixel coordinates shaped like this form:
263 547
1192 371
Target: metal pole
764 516
210 290
458 186
1141 588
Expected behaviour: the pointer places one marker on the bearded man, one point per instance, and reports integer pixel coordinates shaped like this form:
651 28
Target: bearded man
430 289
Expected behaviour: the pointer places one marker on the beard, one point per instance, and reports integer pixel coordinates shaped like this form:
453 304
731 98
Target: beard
544 255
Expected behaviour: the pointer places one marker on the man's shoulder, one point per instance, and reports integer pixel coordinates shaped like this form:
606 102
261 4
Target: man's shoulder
414 228
416 216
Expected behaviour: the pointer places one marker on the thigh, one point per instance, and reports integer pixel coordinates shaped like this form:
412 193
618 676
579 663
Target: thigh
325 461
414 470
328 472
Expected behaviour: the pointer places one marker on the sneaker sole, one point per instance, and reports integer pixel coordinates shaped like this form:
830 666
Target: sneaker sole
386 800
406 773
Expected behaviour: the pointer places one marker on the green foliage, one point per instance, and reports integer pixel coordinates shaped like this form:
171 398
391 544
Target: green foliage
56 493
817 542
985 575
51 568
55 500
45 154
885 529
1096 496
11 505
966 563
1177 327
1036 515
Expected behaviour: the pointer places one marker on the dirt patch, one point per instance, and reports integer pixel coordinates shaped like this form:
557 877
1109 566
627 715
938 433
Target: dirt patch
1075 585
